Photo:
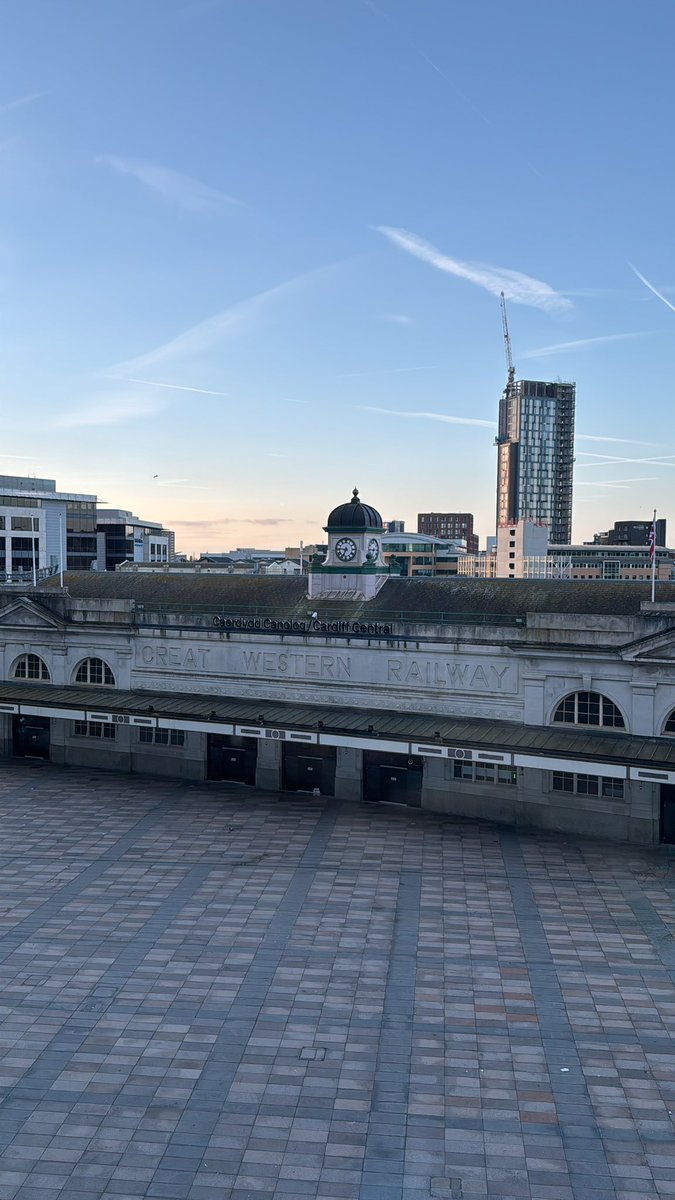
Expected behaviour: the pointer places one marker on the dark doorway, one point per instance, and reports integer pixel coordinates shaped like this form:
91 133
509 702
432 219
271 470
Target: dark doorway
306 768
232 758
668 813
392 778
30 737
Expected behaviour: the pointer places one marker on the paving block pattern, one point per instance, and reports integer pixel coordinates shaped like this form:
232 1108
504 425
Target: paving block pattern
212 993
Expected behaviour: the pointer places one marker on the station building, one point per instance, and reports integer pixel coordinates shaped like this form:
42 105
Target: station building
545 702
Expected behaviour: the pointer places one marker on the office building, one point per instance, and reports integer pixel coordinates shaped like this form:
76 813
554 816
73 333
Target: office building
40 526
632 533
517 542
394 526
452 525
588 561
420 554
535 448
122 537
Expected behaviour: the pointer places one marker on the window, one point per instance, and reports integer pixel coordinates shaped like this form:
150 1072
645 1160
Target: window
588 708
670 723
484 772
29 666
162 737
95 729
94 670
588 785
22 523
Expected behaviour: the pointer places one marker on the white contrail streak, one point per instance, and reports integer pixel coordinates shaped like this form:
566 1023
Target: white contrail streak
430 416
651 287
592 437
178 387
522 289
583 343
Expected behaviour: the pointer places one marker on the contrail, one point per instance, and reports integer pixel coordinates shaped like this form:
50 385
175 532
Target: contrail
651 287
178 387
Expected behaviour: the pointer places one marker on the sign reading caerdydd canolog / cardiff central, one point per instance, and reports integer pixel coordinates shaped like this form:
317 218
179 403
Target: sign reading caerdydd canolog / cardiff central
311 625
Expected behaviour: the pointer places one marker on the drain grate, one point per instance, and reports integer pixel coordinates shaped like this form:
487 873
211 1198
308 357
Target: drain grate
446 1187
99 999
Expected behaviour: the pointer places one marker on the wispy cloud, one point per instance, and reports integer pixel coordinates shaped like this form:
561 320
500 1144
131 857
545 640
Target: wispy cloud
584 343
232 321
397 318
110 410
20 457
592 437
614 483
217 524
651 287
522 289
178 387
171 185
21 102
445 418
606 460
183 483
385 371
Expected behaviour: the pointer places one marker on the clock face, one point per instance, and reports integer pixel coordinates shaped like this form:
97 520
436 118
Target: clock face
374 547
345 549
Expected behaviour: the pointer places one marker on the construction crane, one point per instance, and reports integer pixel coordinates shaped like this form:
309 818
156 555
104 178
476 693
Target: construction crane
507 344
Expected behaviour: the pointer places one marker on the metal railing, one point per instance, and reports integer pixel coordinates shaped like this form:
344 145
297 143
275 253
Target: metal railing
153 613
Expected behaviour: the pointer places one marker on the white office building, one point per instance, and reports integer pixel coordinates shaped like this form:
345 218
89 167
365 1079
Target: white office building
40 527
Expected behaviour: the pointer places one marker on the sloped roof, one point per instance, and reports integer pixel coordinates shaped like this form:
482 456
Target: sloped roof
586 744
429 599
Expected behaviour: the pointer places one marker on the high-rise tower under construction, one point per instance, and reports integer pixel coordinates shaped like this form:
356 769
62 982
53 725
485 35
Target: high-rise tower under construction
536 455
535 448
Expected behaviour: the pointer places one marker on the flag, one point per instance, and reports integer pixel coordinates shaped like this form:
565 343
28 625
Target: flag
652 541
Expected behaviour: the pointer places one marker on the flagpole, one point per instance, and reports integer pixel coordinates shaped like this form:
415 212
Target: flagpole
654 556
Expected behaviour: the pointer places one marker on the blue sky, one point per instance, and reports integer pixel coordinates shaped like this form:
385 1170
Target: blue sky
254 248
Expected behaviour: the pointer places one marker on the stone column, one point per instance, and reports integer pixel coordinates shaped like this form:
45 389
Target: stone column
57 740
349 773
436 783
641 721
268 767
644 811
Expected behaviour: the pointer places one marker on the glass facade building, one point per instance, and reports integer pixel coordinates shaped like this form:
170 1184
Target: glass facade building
535 447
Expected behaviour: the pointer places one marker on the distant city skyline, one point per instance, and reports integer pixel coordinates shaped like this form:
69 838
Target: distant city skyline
267 268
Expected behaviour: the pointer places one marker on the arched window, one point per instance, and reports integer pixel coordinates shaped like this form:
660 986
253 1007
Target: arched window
94 670
670 723
29 666
588 708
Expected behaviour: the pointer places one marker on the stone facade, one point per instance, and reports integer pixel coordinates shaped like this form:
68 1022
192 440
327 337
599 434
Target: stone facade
515 673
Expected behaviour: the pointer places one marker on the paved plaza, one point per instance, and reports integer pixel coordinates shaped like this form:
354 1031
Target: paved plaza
210 993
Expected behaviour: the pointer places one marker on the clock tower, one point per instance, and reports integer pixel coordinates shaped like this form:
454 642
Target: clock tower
353 565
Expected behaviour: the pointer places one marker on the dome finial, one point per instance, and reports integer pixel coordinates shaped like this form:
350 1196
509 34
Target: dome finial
355 496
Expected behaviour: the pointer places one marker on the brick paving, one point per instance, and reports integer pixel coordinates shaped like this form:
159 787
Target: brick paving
209 993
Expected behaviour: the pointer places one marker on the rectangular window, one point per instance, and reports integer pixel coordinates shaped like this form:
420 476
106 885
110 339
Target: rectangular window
22 523
95 729
587 785
484 772
162 737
